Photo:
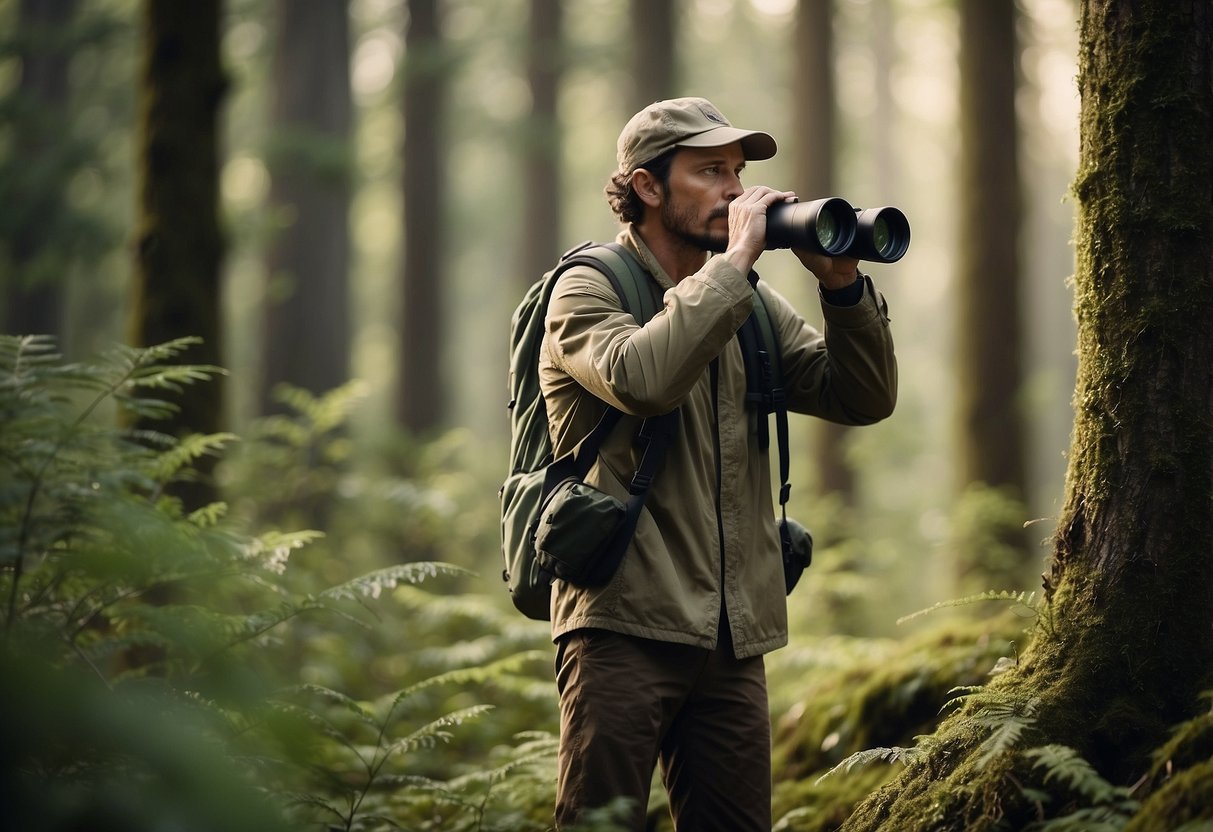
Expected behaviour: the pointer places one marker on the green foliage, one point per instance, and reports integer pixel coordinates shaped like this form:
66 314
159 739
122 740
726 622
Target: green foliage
167 665
1021 600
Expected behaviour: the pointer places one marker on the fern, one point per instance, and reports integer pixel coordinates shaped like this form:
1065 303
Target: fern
872 755
1026 600
1007 722
1102 807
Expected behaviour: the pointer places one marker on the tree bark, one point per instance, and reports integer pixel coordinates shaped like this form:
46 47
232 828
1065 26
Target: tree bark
989 330
654 52
180 248
542 143
1123 648
307 307
423 391
39 168
814 123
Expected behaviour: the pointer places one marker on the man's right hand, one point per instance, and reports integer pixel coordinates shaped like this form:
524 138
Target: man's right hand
748 224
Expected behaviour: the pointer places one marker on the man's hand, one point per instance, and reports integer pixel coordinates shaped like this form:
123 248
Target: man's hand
833 272
748 224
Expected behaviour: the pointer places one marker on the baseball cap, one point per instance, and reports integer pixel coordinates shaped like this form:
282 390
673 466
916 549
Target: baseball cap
684 122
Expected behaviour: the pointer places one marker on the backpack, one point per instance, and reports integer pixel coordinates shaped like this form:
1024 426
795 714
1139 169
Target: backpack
533 470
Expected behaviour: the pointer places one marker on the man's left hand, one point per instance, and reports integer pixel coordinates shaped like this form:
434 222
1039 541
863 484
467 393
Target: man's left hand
833 272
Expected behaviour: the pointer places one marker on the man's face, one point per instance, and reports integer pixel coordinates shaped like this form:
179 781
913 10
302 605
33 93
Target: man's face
703 181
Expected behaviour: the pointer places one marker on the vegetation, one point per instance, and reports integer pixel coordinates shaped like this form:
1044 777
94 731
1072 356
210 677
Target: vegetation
294 620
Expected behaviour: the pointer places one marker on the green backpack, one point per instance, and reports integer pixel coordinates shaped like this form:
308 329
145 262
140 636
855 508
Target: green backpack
533 471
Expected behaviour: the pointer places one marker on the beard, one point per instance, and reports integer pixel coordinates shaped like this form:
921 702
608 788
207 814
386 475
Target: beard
680 221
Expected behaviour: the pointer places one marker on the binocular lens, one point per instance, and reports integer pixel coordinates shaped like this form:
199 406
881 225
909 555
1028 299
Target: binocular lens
827 229
883 235
880 235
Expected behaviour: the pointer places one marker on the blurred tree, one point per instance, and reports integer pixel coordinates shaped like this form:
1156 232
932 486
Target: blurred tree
654 52
991 452
179 250
36 170
1121 651
542 143
814 123
306 338
423 391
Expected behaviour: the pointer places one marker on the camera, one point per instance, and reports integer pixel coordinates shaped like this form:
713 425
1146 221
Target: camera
833 227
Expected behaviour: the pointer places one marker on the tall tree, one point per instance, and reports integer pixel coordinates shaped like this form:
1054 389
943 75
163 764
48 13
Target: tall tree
991 450
179 246
814 122
1122 650
542 142
422 393
38 167
307 312
654 52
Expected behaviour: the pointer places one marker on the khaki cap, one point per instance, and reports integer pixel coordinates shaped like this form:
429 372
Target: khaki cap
684 122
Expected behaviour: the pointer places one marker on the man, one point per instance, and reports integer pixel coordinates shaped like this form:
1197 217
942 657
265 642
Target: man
664 663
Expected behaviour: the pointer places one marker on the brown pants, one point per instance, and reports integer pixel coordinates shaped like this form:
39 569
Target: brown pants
627 702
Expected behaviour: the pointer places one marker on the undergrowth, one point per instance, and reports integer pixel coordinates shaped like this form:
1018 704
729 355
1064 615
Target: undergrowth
164 666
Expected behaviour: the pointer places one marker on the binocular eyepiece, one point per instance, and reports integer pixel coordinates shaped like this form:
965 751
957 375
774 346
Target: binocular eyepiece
832 227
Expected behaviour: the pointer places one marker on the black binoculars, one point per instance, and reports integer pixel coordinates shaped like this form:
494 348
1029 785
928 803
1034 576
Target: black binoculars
831 226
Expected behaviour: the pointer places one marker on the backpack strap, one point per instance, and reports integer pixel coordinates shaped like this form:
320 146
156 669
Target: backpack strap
765 392
631 283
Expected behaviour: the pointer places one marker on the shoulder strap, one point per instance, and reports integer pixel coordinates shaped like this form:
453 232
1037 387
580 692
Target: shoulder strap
765 389
629 279
633 286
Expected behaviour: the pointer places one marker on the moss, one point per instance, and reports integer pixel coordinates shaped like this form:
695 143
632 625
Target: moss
885 697
1183 798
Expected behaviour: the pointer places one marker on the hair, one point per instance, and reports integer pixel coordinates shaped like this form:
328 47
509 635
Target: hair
624 200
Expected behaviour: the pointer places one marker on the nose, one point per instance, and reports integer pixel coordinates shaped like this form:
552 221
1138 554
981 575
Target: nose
733 187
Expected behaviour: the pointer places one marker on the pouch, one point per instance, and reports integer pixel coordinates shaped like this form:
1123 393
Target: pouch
578 533
796 543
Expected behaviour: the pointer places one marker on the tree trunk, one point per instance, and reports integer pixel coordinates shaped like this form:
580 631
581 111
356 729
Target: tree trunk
39 168
307 306
989 333
654 52
1123 648
180 248
542 144
423 392
814 123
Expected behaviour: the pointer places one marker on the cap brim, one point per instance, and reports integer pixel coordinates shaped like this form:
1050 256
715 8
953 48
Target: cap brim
755 144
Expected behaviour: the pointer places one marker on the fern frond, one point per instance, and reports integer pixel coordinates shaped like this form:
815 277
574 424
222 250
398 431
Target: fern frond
1024 599
274 548
871 755
470 675
1063 764
186 451
434 732
337 698
1007 721
372 584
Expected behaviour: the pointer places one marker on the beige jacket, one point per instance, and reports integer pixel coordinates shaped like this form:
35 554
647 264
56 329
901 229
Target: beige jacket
707 536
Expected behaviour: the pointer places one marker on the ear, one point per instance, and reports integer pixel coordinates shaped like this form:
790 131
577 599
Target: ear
647 187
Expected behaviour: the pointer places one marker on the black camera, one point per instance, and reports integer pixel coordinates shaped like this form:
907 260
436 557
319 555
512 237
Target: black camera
833 227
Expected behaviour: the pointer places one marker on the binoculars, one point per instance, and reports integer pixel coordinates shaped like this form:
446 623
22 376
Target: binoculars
832 227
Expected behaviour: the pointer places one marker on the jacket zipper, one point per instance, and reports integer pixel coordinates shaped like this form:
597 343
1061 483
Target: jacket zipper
715 376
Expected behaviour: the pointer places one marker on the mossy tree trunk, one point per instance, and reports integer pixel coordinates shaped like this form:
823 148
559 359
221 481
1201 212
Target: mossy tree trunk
179 245
1125 645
